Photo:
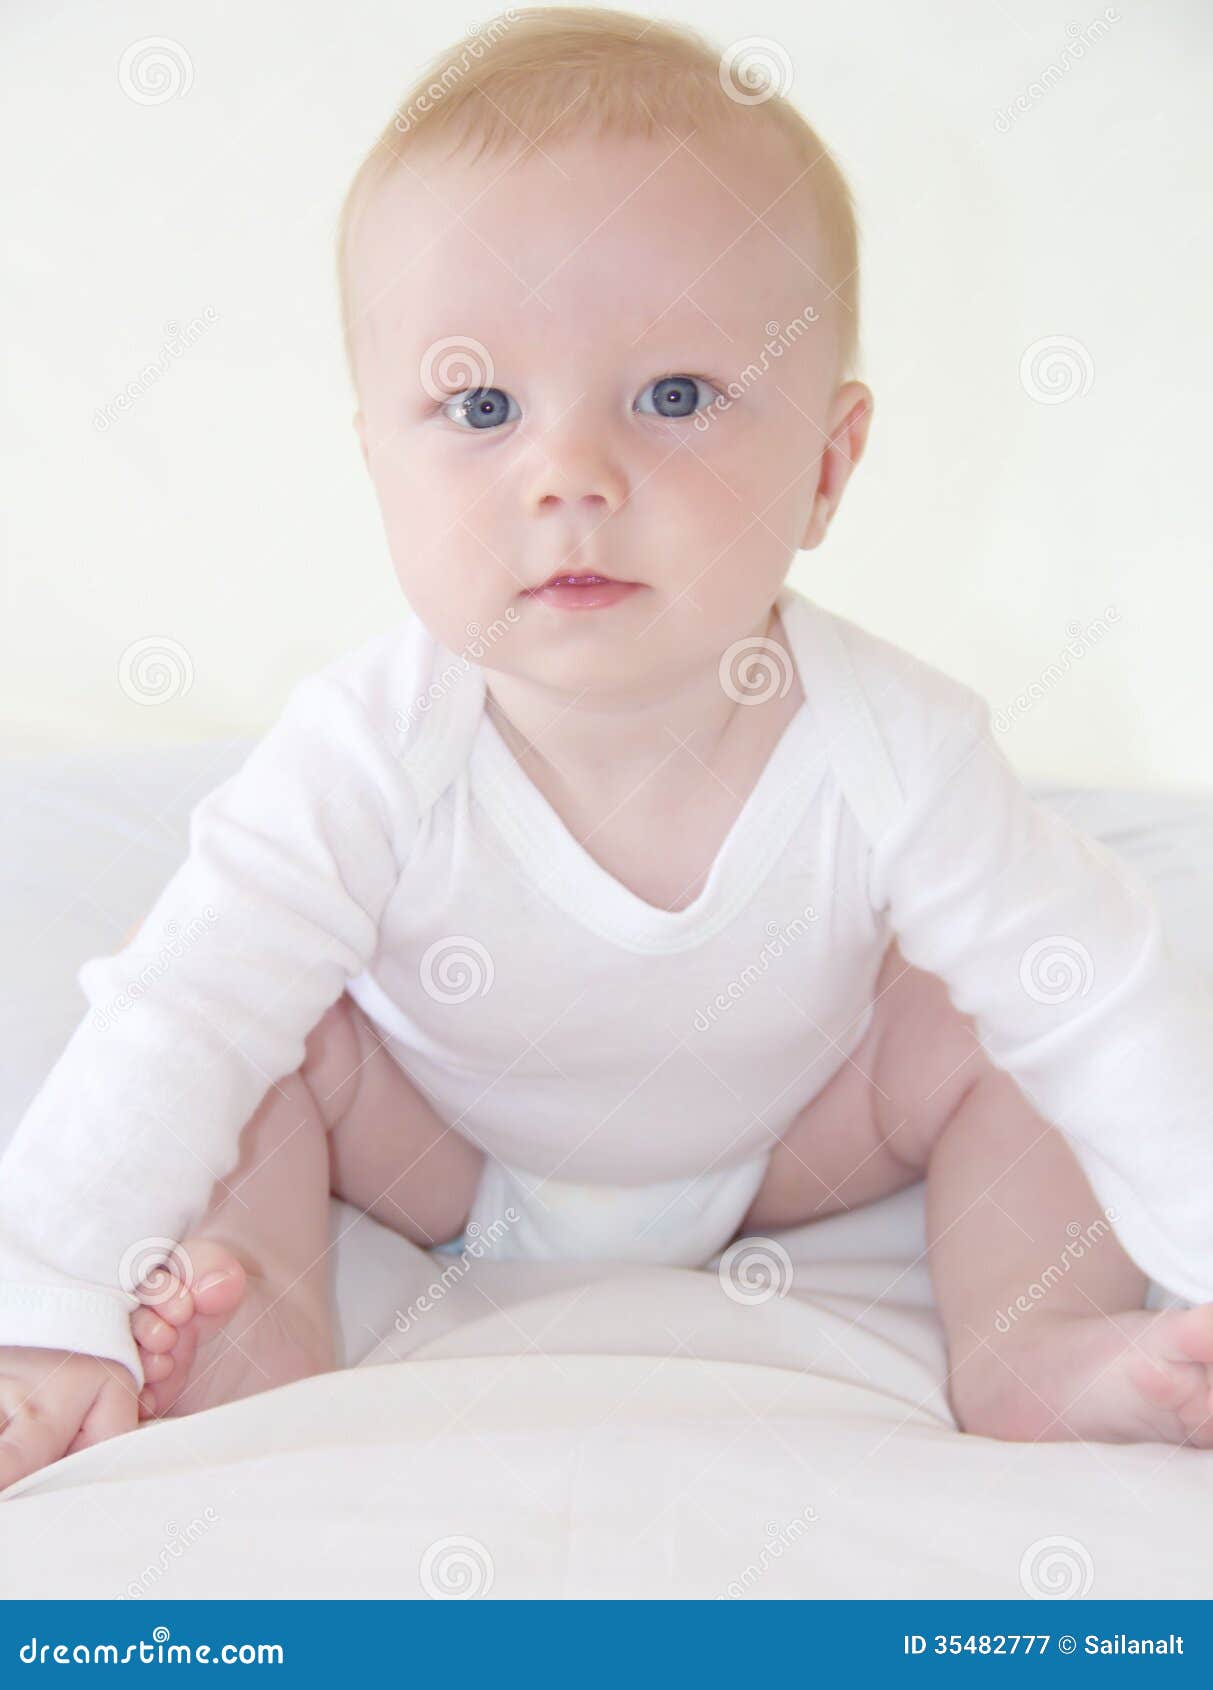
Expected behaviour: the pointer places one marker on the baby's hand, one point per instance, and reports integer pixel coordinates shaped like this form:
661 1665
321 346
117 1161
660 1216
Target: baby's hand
54 1402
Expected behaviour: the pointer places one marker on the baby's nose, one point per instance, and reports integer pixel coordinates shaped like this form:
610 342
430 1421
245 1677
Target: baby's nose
586 481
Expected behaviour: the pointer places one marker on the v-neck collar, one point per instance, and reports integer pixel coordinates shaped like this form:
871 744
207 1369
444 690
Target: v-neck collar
562 868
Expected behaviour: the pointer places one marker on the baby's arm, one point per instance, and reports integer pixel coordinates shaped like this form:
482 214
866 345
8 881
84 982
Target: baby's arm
1056 948
290 865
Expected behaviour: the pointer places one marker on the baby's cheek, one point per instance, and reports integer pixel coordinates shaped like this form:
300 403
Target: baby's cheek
778 480
416 508
738 511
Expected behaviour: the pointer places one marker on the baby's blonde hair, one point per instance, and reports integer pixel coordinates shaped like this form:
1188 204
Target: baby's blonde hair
547 72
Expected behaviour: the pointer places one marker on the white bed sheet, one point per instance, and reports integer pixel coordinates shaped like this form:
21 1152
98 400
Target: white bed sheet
570 1430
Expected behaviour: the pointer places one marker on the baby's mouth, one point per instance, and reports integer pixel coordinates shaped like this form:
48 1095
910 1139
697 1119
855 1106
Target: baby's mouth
583 580
589 591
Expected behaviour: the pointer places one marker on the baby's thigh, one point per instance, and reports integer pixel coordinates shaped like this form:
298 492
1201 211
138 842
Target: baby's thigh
389 1153
870 1130
928 1057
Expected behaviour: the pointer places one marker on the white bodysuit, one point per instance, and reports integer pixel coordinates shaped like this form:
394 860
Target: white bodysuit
626 1068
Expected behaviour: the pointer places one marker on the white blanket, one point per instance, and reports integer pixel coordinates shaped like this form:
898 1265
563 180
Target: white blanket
567 1430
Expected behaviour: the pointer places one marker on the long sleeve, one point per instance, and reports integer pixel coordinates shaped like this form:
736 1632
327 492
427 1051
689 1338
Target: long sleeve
290 864
1055 947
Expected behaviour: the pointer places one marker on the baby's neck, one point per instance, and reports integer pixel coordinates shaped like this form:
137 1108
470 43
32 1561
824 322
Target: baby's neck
614 744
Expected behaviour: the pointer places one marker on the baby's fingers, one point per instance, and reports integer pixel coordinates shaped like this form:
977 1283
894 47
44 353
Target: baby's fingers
32 1435
115 1410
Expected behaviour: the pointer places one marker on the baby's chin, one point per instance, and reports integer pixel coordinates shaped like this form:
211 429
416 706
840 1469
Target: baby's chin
535 620
601 643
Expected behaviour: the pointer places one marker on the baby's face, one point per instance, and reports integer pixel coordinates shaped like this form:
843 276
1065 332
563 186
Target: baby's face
571 287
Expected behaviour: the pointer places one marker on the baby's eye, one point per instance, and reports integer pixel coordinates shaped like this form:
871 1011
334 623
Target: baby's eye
480 407
677 396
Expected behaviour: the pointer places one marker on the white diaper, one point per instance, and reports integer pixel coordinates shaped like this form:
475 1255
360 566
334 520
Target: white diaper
520 1216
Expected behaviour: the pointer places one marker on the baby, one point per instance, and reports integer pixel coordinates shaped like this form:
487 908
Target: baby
621 901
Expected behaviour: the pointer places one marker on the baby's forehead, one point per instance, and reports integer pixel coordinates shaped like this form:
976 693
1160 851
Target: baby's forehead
625 237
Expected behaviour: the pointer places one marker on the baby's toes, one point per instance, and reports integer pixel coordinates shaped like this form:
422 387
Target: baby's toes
1192 1334
219 1280
164 1376
167 1296
184 1315
1197 1426
1155 1380
162 1348
151 1332
1195 1410
1180 1389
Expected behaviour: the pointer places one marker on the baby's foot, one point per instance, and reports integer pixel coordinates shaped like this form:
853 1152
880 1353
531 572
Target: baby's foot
209 1331
1137 1377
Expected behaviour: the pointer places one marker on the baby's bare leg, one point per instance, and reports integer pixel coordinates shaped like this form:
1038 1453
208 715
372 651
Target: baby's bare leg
348 1121
1010 1216
389 1153
854 1142
1047 1336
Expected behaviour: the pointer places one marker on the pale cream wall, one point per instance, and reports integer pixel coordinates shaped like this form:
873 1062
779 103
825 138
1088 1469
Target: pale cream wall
227 510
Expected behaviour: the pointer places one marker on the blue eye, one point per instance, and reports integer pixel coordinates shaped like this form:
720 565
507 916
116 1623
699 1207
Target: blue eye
677 396
487 408
480 407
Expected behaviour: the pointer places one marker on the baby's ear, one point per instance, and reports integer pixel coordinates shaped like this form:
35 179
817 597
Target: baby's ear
850 418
